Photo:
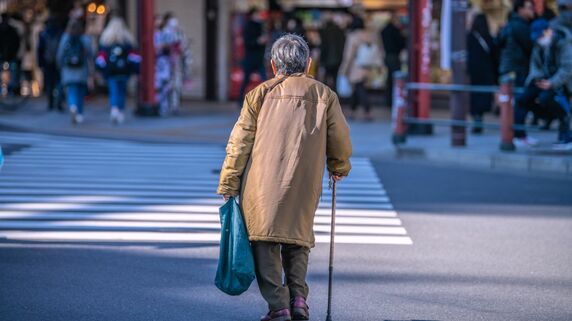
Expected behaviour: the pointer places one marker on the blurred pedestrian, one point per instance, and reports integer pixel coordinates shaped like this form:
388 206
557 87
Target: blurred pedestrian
117 60
515 43
255 41
333 40
361 56
178 51
295 26
564 21
299 126
180 59
48 43
9 48
549 83
162 67
276 31
482 68
394 43
29 49
74 58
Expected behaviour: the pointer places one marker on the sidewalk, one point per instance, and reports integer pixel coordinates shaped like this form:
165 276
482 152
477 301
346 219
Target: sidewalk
211 123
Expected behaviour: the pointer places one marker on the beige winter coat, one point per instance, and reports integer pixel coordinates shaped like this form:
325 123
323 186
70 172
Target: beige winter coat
349 67
276 156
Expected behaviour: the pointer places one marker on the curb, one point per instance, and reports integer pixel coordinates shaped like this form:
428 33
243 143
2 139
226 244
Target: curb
107 136
519 162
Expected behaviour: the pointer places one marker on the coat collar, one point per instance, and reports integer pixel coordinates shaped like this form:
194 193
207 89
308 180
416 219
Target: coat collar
298 74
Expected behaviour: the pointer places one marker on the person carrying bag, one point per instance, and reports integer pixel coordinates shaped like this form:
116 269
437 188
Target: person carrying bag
289 128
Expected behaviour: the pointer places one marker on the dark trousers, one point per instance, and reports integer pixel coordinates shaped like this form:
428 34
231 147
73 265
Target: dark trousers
360 97
540 102
249 66
393 64
271 260
331 77
52 87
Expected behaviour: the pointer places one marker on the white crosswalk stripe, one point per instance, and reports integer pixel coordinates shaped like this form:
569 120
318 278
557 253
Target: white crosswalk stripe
95 190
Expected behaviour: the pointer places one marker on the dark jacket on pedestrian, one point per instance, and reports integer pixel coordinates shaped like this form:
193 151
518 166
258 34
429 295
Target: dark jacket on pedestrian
9 40
48 44
117 60
482 63
482 67
254 51
516 47
554 62
393 40
332 48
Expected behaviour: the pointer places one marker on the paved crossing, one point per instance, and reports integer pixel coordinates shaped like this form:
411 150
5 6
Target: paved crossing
91 190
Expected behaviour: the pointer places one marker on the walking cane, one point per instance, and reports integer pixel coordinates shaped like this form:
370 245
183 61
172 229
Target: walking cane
332 234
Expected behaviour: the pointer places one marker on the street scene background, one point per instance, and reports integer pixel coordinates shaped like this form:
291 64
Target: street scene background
108 205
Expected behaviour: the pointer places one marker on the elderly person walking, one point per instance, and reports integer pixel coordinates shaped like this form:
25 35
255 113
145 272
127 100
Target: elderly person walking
289 127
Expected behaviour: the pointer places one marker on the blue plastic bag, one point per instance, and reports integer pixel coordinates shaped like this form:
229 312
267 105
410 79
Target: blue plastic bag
343 87
235 270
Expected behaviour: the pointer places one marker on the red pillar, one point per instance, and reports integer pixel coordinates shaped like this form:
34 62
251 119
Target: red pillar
147 105
399 109
507 112
420 61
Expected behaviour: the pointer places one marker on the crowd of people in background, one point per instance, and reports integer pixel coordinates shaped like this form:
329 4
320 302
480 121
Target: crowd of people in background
346 51
68 56
533 49
536 51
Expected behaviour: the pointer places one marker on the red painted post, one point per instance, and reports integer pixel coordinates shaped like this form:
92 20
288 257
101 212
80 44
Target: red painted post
147 105
425 59
507 112
399 109
420 62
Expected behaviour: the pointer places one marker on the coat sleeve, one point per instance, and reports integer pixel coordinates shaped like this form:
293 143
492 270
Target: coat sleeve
60 52
238 149
564 74
338 145
347 56
535 71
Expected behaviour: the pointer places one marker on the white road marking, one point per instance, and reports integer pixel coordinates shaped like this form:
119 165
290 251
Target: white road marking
96 190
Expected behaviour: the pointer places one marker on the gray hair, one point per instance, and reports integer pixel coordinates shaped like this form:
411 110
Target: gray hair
290 54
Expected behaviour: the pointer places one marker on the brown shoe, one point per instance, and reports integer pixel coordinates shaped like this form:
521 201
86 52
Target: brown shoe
278 315
300 310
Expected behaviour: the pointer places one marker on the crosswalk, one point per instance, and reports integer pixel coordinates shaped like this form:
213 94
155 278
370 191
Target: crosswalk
71 189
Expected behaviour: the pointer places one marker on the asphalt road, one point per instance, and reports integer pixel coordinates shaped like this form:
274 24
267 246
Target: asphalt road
486 246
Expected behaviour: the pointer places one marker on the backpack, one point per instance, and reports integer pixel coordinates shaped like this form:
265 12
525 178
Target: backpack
367 55
118 63
74 53
51 48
